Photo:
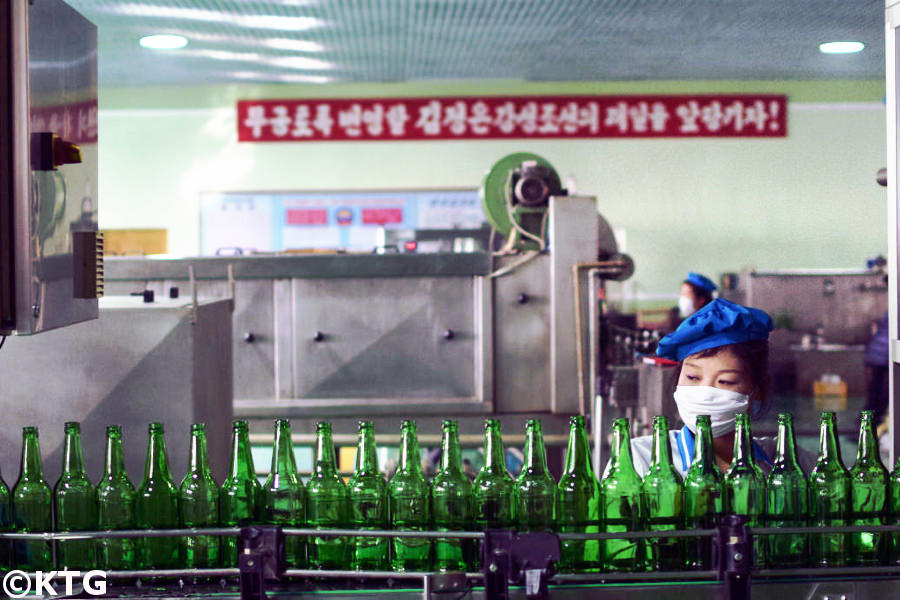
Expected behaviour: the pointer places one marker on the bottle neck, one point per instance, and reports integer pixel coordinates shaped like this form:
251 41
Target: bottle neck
493 451
325 461
743 449
31 470
620 453
157 466
409 451
366 455
283 454
786 448
867 449
199 456
704 454
73 462
828 445
450 453
661 457
535 454
578 452
115 458
241 457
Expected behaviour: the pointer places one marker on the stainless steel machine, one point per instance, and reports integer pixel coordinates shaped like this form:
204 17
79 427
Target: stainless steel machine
50 253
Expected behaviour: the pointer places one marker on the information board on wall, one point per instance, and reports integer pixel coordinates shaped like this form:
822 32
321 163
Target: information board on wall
278 221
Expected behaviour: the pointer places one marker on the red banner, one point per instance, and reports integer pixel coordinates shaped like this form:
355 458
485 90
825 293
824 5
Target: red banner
502 117
297 216
381 216
76 122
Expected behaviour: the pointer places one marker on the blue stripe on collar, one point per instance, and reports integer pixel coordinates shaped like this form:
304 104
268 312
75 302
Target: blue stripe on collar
685 443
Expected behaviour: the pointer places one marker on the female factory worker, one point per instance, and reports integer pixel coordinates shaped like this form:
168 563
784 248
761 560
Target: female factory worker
696 292
722 350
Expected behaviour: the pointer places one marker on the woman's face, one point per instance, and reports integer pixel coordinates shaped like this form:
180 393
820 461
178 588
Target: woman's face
722 370
688 292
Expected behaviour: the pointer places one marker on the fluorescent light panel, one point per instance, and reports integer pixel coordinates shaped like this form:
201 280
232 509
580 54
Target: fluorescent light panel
841 47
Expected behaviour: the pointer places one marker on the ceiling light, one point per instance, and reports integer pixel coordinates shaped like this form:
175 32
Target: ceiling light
164 41
274 77
841 47
296 45
299 23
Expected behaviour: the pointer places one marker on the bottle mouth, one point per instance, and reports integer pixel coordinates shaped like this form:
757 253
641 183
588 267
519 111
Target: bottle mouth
156 427
72 425
198 427
323 425
29 430
364 425
114 430
282 422
407 423
239 424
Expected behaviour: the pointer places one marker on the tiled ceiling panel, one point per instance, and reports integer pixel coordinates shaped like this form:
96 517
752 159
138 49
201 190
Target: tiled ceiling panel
541 40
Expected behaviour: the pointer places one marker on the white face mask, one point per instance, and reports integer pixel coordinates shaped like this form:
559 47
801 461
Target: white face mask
721 405
685 307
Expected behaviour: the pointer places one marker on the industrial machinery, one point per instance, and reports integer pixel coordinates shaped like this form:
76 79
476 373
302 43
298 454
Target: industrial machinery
50 252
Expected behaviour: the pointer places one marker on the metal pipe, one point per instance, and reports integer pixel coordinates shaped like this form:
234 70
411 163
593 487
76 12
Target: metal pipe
641 576
367 574
121 533
459 535
637 535
470 440
172 573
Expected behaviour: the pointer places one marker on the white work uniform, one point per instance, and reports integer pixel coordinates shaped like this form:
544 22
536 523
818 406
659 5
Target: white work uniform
682 442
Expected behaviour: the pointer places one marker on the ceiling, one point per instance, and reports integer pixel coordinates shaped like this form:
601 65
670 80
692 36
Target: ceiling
319 41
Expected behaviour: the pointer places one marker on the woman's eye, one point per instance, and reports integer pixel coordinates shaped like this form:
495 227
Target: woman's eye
692 378
723 382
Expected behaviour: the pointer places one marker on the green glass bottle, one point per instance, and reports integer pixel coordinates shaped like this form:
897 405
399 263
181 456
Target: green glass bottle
621 505
115 501
535 487
829 499
408 503
156 506
75 502
663 492
786 500
31 498
578 503
452 504
745 486
368 504
241 495
284 497
5 526
869 481
326 505
494 489
894 507
703 496
198 505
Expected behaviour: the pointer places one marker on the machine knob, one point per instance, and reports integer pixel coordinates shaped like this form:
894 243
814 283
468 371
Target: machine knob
318 336
523 299
448 334
249 337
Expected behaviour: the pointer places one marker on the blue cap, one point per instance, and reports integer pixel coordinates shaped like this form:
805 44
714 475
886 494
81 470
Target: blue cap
701 281
719 323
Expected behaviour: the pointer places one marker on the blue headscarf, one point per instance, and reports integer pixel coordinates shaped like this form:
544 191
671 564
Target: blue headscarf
701 281
719 323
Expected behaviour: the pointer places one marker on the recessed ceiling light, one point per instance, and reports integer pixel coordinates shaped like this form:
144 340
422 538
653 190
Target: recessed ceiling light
164 41
296 45
841 47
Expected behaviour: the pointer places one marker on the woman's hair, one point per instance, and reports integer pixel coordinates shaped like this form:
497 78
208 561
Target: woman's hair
703 296
754 355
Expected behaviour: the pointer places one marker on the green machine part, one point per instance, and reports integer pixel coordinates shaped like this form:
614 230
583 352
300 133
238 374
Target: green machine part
495 194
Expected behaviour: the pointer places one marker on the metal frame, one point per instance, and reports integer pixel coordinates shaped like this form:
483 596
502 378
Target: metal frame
892 23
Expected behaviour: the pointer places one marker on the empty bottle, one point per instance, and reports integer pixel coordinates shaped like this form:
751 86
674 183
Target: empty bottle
894 507
786 500
745 486
663 492
241 495
115 501
156 506
452 504
869 481
703 496
408 510
198 505
494 489
535 487
31 499
326 505
75 501
621 506
368 504
284 497
5 526
829 499
578 503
